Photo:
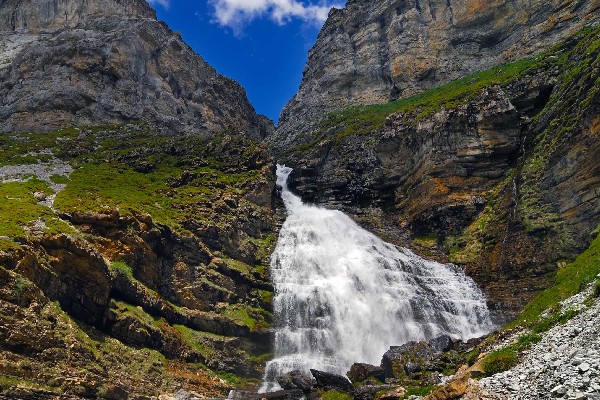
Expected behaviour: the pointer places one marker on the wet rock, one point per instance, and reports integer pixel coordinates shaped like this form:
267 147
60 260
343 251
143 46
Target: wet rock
296 380
360 372
329 381
441 344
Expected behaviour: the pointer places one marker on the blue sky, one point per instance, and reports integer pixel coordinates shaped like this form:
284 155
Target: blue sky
263 44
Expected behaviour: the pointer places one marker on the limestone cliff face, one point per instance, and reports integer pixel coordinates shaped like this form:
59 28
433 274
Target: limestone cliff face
136 213
48 15
497 172
82 62
377 51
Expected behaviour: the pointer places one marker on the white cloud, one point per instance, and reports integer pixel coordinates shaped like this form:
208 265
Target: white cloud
164 3
236 13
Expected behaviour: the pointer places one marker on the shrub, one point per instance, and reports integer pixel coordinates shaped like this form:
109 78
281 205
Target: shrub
122 268
526 341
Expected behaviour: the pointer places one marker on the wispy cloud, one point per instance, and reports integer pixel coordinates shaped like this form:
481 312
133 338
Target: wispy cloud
164 3
236 13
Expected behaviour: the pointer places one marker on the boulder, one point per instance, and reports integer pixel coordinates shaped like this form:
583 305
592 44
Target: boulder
296 380
458 386
411 368
368 392
396 393
360 372
397 357
441 344
326 380
414 357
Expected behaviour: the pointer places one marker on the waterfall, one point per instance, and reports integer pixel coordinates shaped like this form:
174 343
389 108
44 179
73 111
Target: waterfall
342 295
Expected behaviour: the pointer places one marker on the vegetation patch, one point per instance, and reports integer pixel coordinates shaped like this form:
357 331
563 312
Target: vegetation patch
136 312
21 212
499 361
418 390
198 340
335 395
60 179
254 318
122 268
360 120
556 318
570 280
596 290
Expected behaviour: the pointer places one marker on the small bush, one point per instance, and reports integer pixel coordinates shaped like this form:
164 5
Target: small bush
122 268
418 391
60 179
499 361
21 284
526 341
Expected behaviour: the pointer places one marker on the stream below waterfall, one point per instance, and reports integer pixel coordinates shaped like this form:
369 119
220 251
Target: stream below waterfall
342 295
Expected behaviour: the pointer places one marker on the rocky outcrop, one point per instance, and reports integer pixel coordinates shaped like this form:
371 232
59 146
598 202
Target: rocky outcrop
296 380
360 372
499 177
66 63
329 381
50 15
376 51
106 283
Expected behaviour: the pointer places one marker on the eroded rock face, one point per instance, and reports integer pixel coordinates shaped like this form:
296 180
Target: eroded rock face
503 183
459 150
153 295
377 51
48 15
77 63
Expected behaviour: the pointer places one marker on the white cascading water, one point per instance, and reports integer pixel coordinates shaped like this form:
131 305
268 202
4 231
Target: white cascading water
342 295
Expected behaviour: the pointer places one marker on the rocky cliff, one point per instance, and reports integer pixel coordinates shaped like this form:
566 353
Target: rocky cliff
377 51
496 172
133 264
68 63
136 210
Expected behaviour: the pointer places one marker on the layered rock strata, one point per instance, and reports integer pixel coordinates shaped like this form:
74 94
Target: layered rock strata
501 179
377 51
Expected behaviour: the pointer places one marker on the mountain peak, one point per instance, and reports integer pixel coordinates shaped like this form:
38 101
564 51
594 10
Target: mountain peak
50 15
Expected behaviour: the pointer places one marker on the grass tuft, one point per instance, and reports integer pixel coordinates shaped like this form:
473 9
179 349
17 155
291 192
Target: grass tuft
122 268
499 361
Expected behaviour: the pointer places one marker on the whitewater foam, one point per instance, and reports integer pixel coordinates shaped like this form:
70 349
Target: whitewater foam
342 295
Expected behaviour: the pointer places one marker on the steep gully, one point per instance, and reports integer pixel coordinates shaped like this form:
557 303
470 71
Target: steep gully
343 295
